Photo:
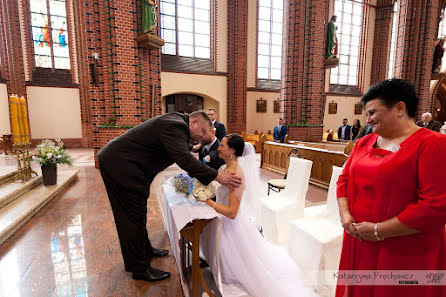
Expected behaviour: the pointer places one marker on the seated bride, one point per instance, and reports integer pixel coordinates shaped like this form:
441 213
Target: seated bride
249 263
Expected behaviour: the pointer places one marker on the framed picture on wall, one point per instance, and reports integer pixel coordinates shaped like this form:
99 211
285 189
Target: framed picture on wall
261 105
358 108
276 106
332 107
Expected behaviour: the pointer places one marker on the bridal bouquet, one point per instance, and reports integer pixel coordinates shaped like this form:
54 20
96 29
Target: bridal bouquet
183 183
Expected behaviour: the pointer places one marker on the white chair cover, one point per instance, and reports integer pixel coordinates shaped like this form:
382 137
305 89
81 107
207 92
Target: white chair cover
316 240
278 210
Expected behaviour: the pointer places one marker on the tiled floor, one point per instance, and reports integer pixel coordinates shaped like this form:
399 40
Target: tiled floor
70 248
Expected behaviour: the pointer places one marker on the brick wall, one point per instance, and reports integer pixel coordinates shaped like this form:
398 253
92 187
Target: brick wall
237 65
303 72
381 41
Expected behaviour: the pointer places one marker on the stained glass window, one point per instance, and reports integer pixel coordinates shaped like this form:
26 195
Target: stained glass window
50 36
269 50
185 27
349 23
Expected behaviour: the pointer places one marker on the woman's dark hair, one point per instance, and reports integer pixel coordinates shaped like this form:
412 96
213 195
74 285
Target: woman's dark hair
359 122
392 91
237 143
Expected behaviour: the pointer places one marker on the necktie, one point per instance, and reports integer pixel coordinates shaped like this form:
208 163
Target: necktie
205 153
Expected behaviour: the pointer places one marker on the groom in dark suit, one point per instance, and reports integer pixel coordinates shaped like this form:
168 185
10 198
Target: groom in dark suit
279 131
208 153
128 165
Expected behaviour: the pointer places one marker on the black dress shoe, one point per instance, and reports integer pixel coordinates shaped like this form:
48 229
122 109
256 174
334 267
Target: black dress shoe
151 275
156 253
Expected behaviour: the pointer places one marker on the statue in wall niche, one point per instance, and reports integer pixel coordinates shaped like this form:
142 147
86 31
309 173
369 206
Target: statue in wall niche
438 56
149 16
332 41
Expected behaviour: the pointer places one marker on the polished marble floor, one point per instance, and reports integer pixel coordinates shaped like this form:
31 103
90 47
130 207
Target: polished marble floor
71 248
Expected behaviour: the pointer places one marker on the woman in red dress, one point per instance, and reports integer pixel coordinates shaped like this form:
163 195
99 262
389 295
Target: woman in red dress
392 195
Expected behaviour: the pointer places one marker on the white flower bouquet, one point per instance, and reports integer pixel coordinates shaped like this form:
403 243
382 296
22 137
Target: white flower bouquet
51 154
183 183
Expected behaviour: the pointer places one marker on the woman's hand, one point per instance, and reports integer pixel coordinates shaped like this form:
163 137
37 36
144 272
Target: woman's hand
365 230
347 219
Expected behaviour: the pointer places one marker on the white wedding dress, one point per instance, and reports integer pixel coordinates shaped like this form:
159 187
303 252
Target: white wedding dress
247 261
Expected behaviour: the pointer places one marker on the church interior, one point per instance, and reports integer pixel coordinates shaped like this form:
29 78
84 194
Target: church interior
87 71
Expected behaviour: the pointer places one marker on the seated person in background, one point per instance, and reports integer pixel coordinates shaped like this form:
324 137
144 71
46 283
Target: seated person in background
208 153
428 123
345 131
279 131
356 129
330 135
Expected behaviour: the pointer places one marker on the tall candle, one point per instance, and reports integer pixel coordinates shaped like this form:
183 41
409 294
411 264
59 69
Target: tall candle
14 119
24 112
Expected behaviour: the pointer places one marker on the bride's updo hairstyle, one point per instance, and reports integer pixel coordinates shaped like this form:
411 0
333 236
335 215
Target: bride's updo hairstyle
236 142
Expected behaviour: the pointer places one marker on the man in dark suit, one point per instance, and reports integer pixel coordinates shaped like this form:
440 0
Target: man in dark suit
279 131
208 152
128 165
220 127
428 123
344 131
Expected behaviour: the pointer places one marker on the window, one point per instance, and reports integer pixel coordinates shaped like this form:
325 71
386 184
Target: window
49 33
393 42
442 25
269 50
185 27
349 23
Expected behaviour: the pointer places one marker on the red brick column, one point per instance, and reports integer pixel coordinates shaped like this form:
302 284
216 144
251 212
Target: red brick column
417 30
126 75
237 65
11 53
303 72
382 39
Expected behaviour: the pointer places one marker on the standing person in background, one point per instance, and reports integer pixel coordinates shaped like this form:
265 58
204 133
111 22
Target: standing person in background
220 127
356 129
366 131
345 131
391 196
279 131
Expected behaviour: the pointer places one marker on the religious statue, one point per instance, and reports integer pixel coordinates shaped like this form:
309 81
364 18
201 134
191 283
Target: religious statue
332 41
438 55
149 16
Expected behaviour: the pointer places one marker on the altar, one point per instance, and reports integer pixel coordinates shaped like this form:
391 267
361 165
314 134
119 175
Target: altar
187 220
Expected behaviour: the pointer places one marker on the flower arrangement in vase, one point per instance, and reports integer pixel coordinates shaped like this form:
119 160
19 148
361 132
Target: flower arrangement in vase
49 155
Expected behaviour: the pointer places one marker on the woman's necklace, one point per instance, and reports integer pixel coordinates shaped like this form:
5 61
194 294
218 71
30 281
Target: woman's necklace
387 145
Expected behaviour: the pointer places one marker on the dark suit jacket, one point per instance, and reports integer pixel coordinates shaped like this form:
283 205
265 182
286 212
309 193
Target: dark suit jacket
433 125
347 132
279 135
220 130
134 158
216 161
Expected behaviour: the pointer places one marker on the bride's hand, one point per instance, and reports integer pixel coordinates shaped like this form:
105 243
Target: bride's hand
229 179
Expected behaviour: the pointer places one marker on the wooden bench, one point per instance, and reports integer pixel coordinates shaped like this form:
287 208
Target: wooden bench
253 139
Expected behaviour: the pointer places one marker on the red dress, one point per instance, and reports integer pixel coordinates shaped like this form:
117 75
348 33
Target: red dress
409 184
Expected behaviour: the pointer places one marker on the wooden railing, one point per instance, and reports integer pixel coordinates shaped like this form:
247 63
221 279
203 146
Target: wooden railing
275 157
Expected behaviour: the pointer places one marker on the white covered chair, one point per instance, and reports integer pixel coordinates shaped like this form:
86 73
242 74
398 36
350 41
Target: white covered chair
279 209
316 240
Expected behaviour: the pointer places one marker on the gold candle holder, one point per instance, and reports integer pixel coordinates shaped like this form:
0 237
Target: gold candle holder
24 170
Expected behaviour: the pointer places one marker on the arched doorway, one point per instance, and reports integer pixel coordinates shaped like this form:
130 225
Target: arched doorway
184 103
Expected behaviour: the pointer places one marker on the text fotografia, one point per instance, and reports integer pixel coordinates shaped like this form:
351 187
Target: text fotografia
389 277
